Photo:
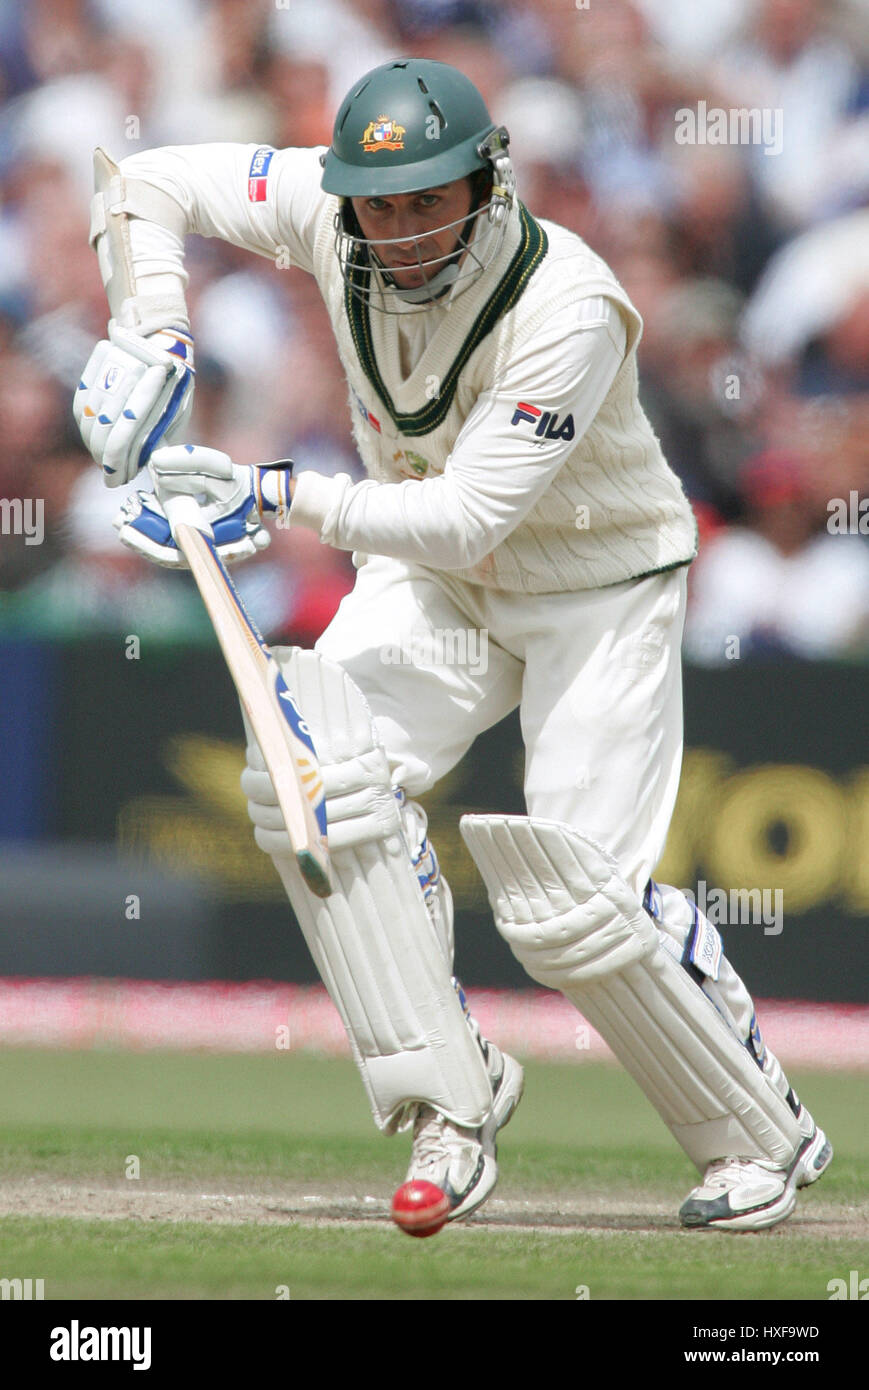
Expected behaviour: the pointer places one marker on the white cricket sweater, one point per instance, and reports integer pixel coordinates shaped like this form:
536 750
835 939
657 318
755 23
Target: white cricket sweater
518 458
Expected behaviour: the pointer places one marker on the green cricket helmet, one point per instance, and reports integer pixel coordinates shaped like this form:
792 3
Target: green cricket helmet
404 127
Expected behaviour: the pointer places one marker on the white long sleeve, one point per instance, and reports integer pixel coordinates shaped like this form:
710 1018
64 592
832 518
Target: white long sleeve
497 471
277 217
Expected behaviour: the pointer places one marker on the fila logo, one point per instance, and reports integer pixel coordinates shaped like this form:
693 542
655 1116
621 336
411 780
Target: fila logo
546 421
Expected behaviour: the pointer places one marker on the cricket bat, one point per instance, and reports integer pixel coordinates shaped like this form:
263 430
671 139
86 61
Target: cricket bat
280 730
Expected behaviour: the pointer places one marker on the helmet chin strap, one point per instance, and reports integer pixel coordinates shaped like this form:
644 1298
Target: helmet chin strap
432 290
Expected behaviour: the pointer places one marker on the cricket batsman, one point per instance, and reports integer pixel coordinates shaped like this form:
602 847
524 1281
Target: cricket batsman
515 490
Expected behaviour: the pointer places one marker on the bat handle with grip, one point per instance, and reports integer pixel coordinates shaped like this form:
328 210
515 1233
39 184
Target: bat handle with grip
183 510
270 708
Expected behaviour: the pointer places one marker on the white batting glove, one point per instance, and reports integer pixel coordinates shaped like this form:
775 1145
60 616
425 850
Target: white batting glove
133 393
233 500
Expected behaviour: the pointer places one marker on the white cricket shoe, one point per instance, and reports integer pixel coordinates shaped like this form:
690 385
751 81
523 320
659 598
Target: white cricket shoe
463 1162
742 1194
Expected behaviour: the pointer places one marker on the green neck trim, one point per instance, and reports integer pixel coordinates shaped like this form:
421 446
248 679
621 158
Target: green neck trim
532 248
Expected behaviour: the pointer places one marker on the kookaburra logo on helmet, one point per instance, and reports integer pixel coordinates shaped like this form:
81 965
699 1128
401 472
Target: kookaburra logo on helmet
408 127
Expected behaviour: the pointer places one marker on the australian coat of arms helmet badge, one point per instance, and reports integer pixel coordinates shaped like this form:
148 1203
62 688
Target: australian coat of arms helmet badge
383 134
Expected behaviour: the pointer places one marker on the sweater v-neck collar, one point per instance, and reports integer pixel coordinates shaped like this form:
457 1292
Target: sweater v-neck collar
466 321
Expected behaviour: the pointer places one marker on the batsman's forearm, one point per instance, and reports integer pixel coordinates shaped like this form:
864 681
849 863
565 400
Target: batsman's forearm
422 521
145 292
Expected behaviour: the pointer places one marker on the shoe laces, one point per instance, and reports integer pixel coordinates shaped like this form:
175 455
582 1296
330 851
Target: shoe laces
431 1137
731 1169
721 1173
428 1137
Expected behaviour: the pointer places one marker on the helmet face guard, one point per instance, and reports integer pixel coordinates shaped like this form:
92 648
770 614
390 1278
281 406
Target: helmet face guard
479 234
407 127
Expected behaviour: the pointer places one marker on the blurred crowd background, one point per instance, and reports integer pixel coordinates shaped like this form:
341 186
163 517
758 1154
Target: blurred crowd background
751 270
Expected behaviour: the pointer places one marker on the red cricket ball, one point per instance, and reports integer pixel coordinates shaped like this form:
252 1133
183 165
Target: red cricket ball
420 1208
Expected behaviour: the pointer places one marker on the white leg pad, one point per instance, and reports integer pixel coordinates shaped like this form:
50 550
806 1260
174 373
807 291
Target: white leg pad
372 940
575 925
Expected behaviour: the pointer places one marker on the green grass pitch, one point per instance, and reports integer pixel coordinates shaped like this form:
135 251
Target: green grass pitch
178 1176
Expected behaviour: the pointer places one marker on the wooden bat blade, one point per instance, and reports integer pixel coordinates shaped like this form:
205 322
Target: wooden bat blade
280 730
